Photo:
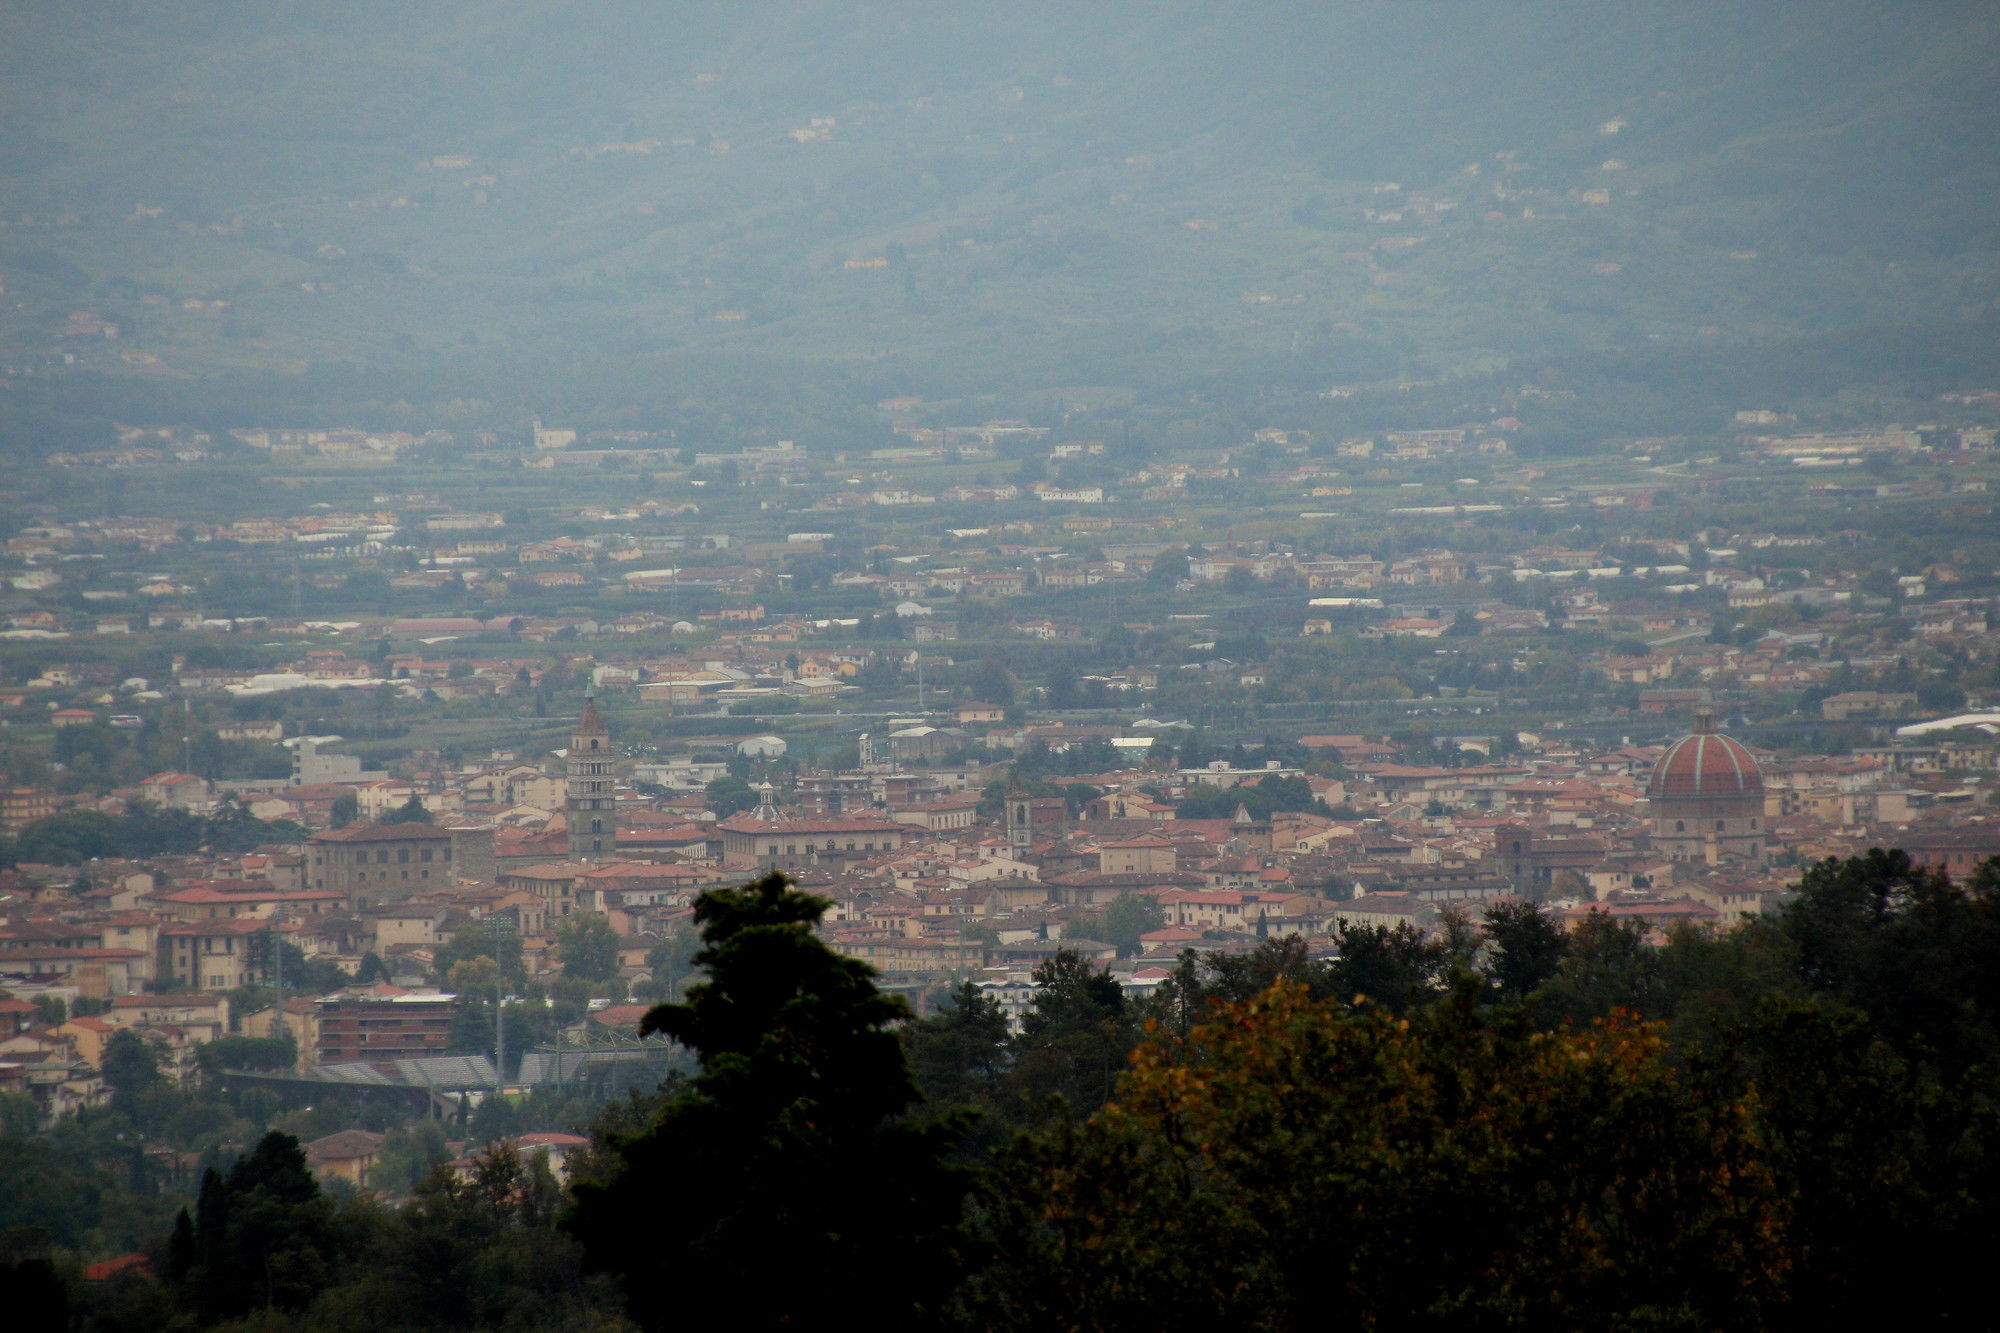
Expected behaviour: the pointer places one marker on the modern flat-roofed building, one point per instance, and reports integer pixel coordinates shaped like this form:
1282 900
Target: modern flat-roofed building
375 1024
22 806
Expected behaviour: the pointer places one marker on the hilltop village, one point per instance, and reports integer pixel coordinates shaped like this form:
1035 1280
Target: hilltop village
304 769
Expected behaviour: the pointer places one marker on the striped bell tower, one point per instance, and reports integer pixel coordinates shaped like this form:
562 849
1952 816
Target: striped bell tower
589 805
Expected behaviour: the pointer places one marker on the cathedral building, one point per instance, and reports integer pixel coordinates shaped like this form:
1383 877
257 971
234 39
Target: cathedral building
1707 800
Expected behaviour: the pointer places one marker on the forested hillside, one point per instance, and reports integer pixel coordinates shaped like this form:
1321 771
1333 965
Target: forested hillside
495 198
1512 1125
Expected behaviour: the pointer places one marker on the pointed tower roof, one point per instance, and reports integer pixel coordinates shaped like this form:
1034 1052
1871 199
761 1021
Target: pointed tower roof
590 724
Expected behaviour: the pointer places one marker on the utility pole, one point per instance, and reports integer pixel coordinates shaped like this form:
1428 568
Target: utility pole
499 1033
278 977
499 1013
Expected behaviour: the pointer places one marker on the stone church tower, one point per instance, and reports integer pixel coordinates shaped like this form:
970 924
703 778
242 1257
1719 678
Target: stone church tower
589 809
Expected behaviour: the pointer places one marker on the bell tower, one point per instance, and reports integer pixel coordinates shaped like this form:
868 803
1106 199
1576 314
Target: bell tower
1020 821
590 805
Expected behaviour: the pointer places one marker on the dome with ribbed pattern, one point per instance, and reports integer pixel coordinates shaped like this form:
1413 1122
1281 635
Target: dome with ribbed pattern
1706 763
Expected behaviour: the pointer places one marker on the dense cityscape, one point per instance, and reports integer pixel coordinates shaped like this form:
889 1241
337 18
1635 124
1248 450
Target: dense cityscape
1117 717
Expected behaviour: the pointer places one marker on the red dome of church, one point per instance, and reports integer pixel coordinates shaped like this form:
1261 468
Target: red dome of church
1706 763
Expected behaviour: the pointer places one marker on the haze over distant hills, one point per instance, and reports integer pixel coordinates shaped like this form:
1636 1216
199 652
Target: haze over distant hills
474 200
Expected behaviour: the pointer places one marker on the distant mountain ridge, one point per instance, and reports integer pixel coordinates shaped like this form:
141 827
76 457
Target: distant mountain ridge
1015 192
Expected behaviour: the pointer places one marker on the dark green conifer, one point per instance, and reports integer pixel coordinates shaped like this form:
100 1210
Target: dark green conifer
786 1168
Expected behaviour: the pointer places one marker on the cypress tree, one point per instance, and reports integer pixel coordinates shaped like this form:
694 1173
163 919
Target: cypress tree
180 1248
786 1168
